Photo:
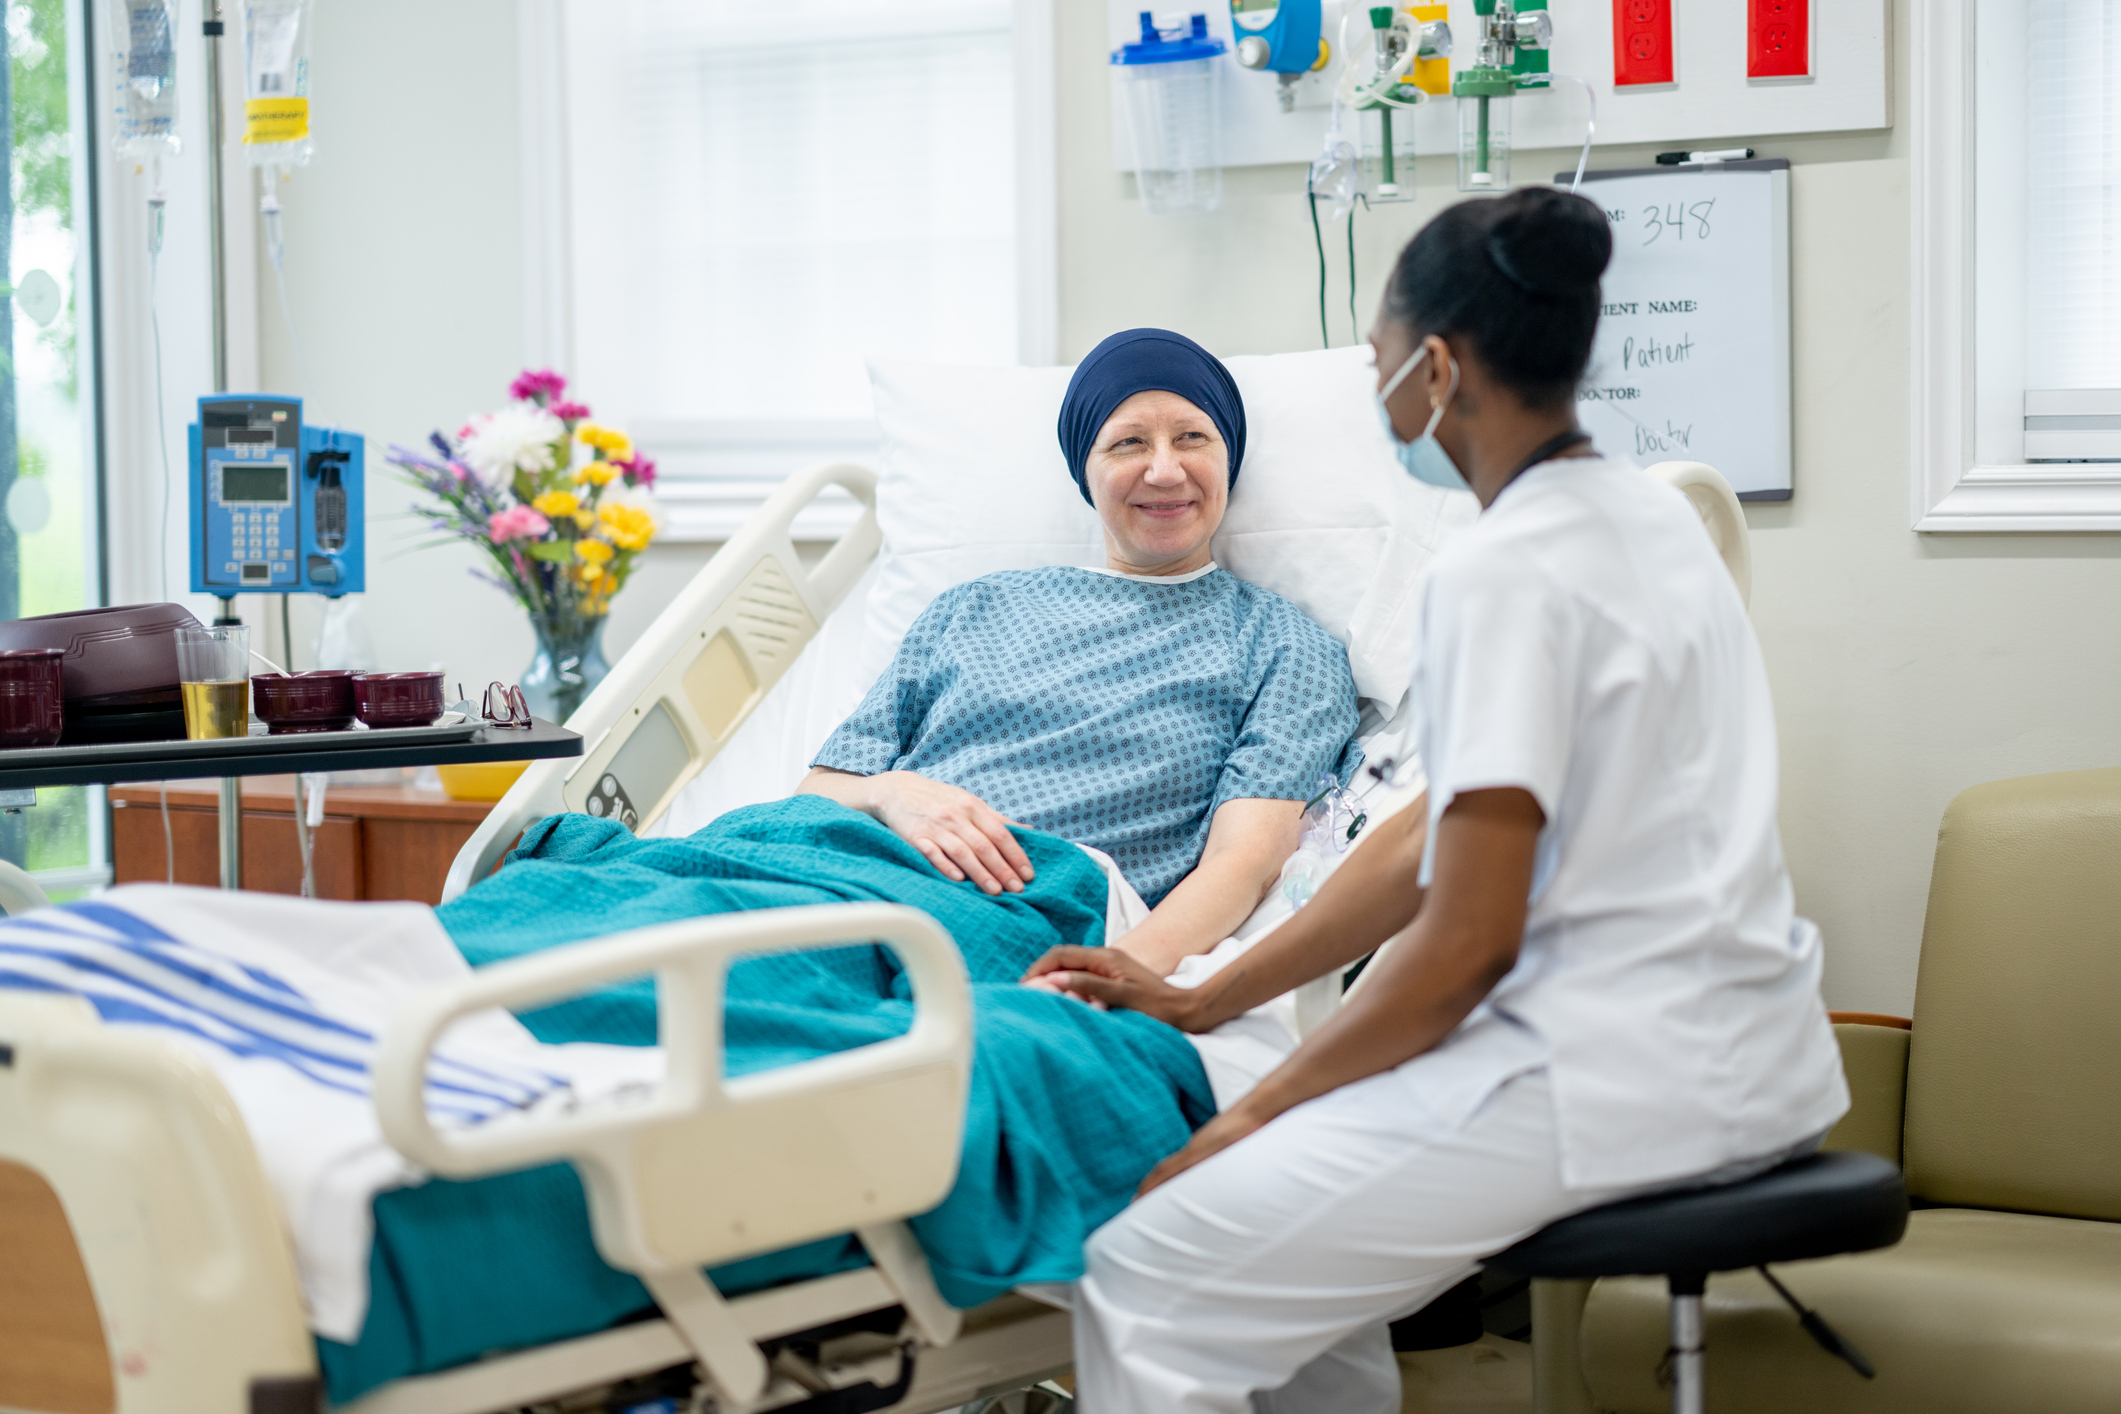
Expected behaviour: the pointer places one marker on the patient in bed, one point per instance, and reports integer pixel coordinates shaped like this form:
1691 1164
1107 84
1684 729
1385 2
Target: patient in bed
1158 710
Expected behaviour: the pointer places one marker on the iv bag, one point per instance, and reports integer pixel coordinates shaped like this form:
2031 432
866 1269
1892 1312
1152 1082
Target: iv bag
144 33
276 82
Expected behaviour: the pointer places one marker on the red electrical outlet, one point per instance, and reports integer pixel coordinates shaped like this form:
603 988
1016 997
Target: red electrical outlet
1642 42
1778 39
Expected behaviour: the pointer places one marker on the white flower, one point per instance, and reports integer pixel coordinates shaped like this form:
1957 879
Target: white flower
520 437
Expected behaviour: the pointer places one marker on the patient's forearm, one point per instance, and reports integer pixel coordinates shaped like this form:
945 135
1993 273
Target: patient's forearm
1367 900
1247 842
1205 908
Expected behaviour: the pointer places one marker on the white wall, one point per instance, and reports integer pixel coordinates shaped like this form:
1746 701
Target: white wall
1905 667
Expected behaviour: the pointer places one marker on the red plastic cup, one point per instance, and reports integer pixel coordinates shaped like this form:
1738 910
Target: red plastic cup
318 701
398 699
32 697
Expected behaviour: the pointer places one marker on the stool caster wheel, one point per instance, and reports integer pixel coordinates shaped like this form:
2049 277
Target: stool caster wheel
1047 1398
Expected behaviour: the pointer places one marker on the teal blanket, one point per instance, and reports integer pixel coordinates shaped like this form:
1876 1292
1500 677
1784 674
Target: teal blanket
1069 1107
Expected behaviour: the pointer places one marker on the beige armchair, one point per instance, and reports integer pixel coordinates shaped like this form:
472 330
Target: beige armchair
2003 1105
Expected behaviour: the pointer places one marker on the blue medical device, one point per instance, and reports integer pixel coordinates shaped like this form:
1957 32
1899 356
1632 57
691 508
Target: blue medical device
276 506
1279 36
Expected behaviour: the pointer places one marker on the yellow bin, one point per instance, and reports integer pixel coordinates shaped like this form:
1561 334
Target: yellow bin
480 780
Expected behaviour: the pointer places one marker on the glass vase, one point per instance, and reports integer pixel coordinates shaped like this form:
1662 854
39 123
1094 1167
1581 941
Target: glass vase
569 663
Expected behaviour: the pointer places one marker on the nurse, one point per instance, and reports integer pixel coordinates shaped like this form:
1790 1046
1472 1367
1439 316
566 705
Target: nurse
1597 985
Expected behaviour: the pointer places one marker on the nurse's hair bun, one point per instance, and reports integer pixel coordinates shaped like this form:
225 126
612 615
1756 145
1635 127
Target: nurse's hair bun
1514 280
1550 243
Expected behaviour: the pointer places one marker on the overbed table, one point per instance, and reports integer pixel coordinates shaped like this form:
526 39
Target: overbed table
233 757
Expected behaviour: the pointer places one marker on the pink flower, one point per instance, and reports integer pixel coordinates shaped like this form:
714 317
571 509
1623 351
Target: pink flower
537 385
639 470
517 522
569 412
460 471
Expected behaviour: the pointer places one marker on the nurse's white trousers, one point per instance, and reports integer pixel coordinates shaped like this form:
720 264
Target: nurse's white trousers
1262 1279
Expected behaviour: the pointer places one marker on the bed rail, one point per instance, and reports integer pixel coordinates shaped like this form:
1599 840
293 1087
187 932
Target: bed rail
707 1169
679 694
1721 514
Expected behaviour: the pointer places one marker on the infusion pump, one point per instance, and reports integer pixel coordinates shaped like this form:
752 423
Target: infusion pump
276 506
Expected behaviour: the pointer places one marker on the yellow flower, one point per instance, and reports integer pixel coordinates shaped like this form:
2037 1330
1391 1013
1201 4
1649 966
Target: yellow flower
556 504
595 474
629 527
608 440
595 552
589 574
583 520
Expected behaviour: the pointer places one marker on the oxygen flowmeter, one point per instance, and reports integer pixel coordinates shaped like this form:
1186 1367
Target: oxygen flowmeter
276 506
1513 41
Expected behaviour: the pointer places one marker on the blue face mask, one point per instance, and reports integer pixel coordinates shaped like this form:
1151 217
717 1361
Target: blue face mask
1424 458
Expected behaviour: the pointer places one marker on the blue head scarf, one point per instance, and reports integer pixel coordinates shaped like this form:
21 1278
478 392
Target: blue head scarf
1140 361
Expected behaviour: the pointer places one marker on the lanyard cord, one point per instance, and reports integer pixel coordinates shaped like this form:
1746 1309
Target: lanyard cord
1544 451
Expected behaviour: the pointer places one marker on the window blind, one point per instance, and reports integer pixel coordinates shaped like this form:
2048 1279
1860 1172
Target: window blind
818 181
2073 182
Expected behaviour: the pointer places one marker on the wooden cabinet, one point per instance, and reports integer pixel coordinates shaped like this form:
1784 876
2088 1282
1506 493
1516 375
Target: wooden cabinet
376 842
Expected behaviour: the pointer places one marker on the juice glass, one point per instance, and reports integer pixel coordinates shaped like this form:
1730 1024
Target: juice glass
213 669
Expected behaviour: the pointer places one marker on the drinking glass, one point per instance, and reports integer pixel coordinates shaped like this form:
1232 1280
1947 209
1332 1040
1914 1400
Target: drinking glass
213 669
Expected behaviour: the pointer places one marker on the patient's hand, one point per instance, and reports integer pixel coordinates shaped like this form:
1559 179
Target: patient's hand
1109 977
956 831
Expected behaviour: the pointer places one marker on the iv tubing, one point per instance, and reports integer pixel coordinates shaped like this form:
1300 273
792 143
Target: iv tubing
156 200
276 250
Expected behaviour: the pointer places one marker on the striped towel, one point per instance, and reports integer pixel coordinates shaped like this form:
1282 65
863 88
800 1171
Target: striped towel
287 1000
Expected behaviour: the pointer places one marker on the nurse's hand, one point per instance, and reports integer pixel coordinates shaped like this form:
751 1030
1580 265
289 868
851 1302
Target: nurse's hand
956 831
1210 1139
1110 977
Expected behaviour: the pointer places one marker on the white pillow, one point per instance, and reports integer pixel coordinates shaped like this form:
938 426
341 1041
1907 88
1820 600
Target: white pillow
973 481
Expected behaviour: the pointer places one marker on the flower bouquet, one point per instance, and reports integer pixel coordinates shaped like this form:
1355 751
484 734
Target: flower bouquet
560 505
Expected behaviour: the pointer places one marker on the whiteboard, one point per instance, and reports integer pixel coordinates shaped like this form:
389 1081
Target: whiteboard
1692 358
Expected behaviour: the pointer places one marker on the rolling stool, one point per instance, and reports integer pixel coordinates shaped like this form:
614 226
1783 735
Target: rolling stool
1821 1205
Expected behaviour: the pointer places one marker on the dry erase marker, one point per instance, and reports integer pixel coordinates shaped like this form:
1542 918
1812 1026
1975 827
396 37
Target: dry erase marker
1727 154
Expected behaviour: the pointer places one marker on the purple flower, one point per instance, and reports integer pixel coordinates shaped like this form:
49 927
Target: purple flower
569 412
639 470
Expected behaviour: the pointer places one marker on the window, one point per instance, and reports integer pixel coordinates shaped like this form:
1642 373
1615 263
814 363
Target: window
759 197
48 465
2016 299
2072 212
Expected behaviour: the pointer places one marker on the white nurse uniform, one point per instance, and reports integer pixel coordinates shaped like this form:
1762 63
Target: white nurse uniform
1582 642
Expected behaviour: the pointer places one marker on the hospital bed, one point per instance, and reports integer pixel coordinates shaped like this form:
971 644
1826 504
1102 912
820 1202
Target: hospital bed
146 1269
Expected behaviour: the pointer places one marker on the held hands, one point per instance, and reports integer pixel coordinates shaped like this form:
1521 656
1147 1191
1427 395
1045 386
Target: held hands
957 832
1108 977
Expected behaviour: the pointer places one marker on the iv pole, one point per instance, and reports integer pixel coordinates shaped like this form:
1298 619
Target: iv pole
231 804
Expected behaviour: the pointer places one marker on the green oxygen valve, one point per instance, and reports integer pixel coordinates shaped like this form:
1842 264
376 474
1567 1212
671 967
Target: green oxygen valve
1484 88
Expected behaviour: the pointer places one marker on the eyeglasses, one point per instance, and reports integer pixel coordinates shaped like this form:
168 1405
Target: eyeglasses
504 705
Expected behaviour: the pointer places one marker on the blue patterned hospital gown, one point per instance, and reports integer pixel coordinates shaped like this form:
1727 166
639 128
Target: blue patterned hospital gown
1113 712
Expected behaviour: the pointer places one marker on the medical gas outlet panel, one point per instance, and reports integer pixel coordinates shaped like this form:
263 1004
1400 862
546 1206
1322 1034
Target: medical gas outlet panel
276 505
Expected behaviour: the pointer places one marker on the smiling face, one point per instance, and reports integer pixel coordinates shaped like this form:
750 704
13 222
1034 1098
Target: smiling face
1159 474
